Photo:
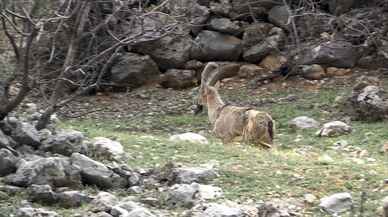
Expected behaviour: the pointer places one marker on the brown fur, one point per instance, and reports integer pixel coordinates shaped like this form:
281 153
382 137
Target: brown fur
231 122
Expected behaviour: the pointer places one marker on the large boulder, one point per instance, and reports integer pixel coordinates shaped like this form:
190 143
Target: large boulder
190 12
279 16
259 51
96 173
255 33
103 202
225 25
339 54
53 171
243 9
168 52
211 46
35 212
337 203
8 162
65 142
369 103
104 148
25 134
179 79
334 128
303 122
133 70
131 209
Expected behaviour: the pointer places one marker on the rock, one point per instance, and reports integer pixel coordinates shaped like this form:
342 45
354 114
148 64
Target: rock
189 11
11 190
189 137
182 195
96 173
242 9
219 210
313 72
35 212
213 46
65 142
273 62
310 198
179 79
367 103
42 194
130 209
339 7
70 199
228 70
221 8
168 52
250 71
303 122
340 54
193 174
225 25
208 192
53 171
279 16
258 52
8 162
103 202
5 141
108 149
134 70
337 203
333 71
255 34
25 133
334 128
99 214
3 196
385 207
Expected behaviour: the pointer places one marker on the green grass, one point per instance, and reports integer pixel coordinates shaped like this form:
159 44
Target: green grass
299 166
303 163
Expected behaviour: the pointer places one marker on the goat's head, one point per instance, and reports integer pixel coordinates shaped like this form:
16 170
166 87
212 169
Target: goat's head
208 78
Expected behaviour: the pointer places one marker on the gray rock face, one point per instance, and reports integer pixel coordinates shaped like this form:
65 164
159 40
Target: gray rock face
220 210
255 34
25 133
182 195
339 54
210 46
133 70
65 143
369 103
279 15
42 194
70 199
103 202
340 7
168 52
303 122
105 148
96 173
179 79
257 52
225 25
337 203
8 162
194 174
222 7
241 9
130 209
190 10
35 212
53 171
334 128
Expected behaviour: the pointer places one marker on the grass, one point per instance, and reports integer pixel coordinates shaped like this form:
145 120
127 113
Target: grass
304 163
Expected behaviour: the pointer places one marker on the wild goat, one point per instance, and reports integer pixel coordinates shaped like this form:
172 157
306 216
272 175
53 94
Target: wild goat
230 122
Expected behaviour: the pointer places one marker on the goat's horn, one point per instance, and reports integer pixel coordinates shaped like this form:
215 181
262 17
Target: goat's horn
206 72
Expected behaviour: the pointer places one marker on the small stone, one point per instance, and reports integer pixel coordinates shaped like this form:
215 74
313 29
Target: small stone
189 137
103 202
333 71
337 203
310 198
35 212
334 128
303 122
